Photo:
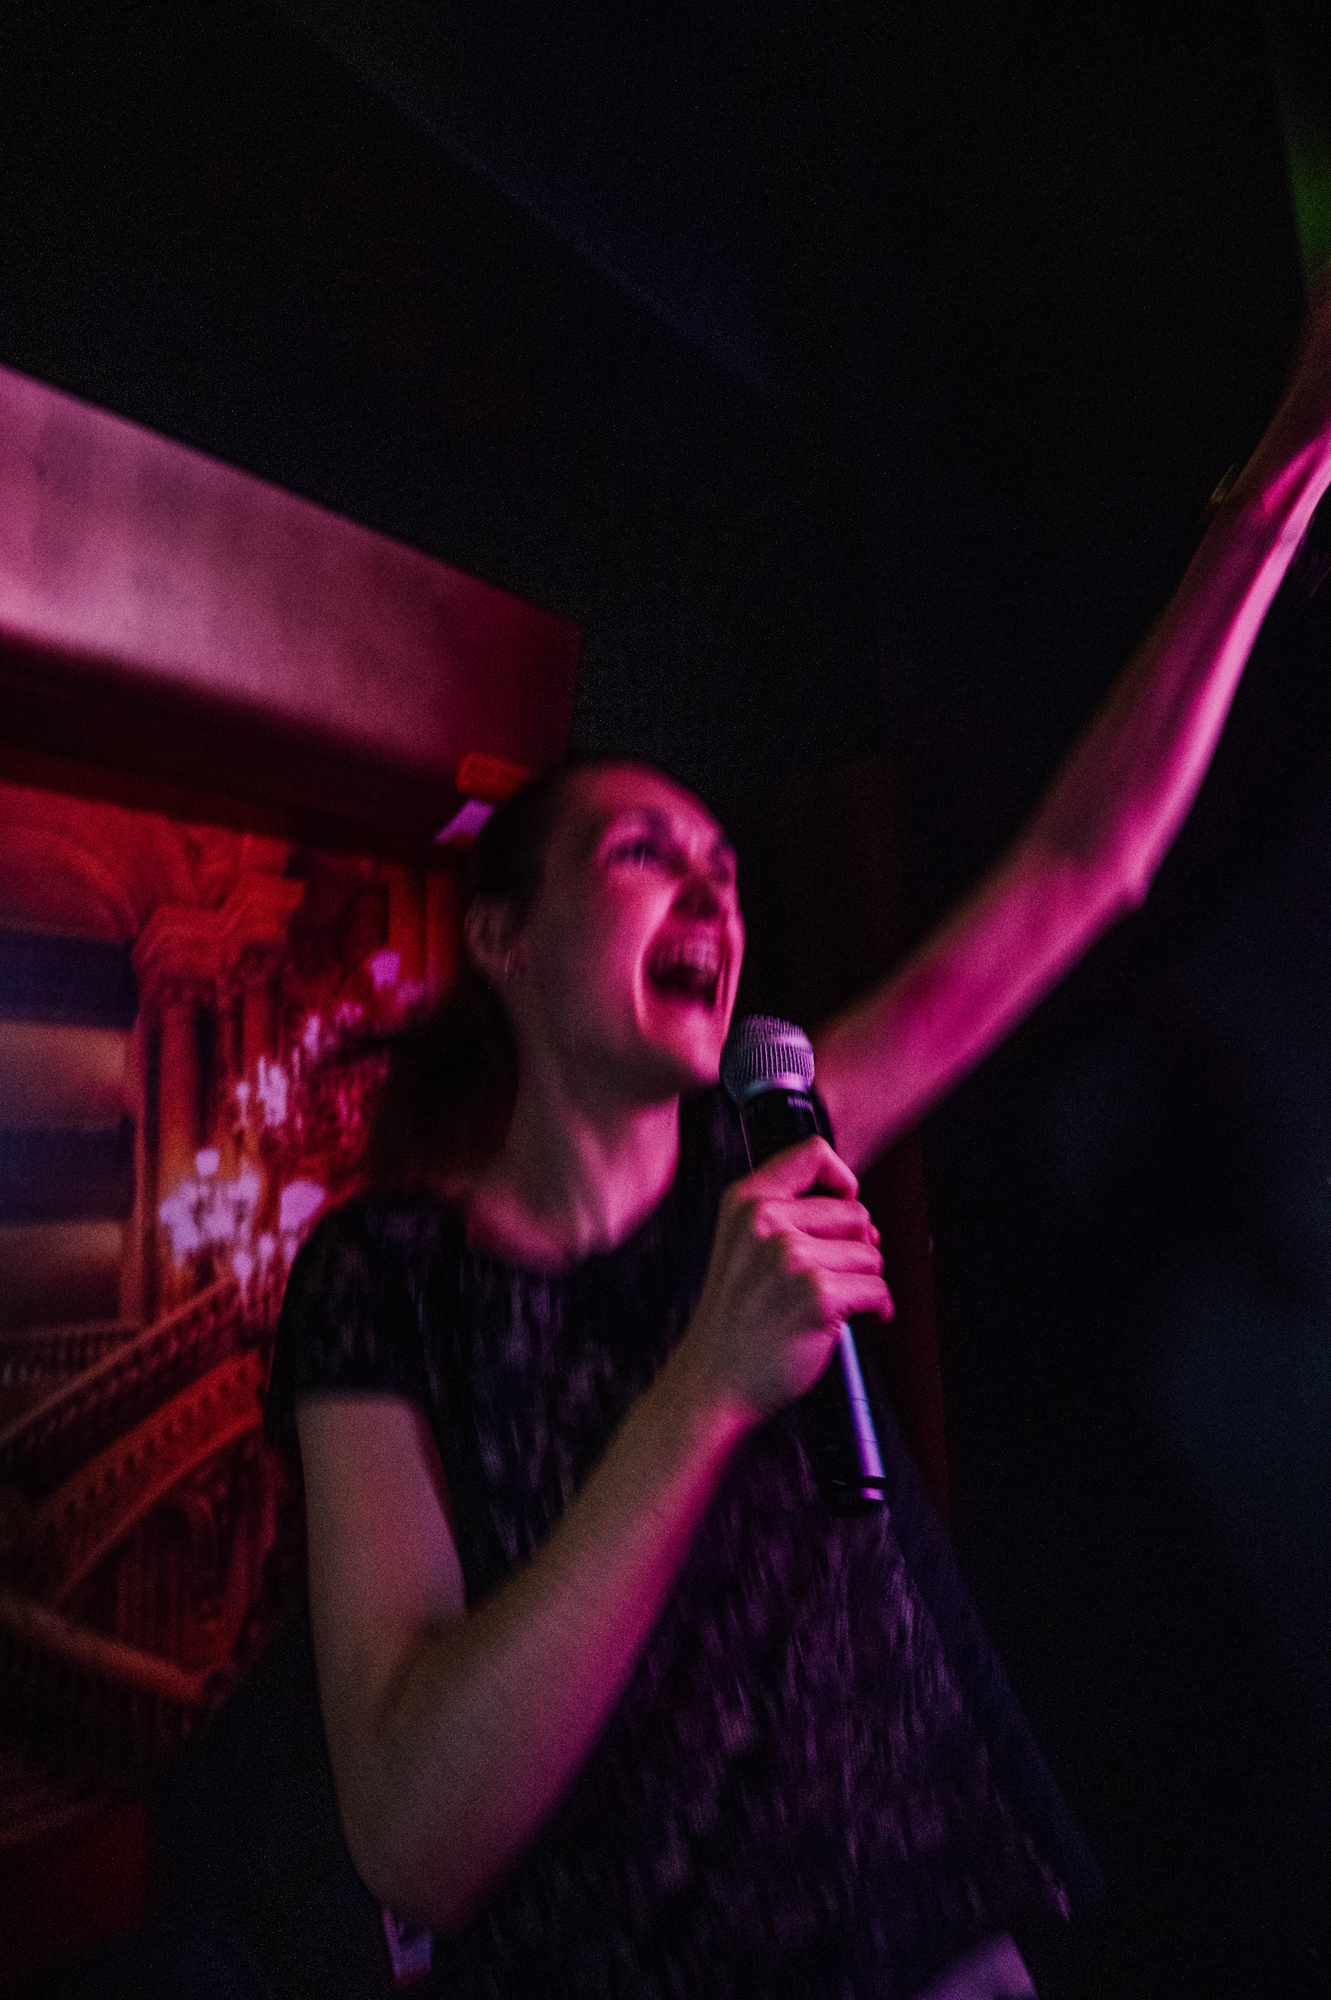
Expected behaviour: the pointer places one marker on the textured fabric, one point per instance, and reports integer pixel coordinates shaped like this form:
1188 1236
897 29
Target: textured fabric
816 1781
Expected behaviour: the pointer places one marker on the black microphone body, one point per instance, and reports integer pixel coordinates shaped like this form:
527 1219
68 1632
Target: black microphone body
768 1070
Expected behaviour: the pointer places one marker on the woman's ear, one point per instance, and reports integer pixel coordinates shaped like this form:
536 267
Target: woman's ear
490 937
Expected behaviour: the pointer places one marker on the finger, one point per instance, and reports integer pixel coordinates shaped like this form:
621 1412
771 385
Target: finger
830 1253
845 1293
817 1215
799 1168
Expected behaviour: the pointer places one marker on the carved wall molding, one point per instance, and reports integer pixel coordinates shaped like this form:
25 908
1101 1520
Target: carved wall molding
230 1534
122 1707
254 919
178 954
116 864
76 1527
186 1508
83 867
184 951
251 965
46 1444
35 1353
35 1627
51 878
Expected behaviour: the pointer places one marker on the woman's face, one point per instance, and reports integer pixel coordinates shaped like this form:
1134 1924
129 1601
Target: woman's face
627 964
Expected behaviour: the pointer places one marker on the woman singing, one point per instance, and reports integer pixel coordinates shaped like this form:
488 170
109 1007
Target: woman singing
613 1704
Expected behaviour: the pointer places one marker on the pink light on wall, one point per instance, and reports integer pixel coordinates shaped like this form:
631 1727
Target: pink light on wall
136 558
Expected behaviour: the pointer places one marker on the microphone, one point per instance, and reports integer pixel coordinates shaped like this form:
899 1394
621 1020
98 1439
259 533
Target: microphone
767 1068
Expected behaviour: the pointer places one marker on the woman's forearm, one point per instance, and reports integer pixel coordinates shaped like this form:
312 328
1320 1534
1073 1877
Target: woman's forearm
487 1717
1093 845
1121 796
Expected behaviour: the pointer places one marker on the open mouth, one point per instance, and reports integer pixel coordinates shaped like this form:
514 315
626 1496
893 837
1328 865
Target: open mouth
687 969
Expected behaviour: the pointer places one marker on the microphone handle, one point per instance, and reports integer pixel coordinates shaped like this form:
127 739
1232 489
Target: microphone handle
836 1419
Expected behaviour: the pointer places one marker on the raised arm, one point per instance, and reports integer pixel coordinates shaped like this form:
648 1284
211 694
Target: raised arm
1090 851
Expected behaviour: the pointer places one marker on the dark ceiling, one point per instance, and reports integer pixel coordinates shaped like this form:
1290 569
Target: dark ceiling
884 355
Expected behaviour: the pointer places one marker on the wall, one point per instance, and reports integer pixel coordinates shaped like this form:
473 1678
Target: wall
180 1097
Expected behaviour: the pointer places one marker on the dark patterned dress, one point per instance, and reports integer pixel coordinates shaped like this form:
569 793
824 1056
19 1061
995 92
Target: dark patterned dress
817 1781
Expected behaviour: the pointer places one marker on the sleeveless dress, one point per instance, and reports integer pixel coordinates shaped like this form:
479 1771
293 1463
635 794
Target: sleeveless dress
817 1781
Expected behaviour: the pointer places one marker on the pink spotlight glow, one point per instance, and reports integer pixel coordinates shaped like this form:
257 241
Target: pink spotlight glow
384 968
466 824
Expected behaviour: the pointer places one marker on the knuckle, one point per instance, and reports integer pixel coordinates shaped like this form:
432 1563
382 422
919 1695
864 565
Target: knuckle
787 1255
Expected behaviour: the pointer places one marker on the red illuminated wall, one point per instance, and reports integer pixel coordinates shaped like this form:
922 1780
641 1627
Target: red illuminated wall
179 1099
231 725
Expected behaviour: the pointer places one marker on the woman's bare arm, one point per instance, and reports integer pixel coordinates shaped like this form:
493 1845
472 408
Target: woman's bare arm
454 1733
1091 849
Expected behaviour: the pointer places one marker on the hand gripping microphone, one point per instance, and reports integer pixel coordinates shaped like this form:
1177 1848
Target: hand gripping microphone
767 1067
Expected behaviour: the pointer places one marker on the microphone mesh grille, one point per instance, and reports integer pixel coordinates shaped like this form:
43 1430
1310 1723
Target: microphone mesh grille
763 1053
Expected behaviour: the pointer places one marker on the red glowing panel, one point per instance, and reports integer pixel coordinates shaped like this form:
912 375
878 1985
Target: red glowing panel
125 552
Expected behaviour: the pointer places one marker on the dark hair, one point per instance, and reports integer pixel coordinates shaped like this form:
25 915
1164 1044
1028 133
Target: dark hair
452 1077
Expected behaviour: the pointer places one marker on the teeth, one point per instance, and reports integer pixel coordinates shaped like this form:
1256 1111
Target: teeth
696 961
696 957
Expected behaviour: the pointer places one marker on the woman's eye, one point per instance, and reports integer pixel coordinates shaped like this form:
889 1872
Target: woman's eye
642 853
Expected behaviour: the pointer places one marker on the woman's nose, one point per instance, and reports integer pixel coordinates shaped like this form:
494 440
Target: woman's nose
698 895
